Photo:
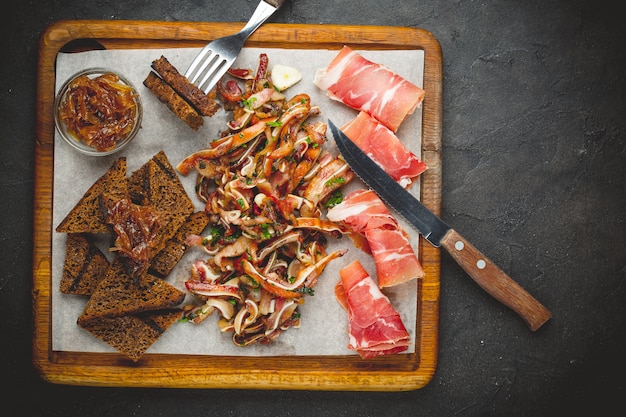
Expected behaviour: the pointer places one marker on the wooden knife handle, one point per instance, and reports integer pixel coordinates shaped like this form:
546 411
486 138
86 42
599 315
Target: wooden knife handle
493 280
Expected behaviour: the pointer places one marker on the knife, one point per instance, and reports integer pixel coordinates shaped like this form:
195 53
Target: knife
484 272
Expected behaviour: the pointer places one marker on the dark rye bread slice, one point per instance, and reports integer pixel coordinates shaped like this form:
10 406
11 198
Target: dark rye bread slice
119 294
139 180
87 215
167 95
132 335
138 185
175 248
167 194
84 267
156 184
190 92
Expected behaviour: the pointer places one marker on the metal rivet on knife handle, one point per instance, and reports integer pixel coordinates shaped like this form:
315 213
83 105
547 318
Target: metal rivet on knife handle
496 282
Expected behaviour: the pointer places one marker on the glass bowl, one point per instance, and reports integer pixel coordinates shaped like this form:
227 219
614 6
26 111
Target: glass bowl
110 111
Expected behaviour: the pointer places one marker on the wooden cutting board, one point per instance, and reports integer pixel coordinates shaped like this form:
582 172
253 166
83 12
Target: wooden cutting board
391 373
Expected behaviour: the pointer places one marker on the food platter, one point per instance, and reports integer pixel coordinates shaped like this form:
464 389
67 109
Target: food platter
321 372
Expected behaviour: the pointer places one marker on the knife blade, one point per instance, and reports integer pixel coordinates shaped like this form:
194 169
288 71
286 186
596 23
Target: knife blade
484 272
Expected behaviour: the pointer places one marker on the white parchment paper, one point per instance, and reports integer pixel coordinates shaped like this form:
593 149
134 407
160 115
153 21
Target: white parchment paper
324 323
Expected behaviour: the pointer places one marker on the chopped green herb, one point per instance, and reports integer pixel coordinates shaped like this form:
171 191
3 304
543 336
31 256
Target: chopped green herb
216 232
265 230
335 198
248 103
334 181
307 291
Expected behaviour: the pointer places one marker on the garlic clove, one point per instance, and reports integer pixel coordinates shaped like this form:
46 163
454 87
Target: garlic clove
284 77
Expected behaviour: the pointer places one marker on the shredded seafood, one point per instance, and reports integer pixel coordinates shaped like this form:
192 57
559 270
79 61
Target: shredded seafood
265 184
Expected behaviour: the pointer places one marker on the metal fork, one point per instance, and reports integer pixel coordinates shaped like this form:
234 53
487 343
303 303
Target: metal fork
219 55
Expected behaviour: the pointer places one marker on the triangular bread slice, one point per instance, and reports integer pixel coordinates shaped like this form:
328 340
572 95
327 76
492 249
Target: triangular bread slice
87 215
138 185
119 294
156 184
166 191
133 335
167 194
84 267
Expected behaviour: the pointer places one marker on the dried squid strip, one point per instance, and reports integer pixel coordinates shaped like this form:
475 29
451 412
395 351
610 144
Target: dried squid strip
222 146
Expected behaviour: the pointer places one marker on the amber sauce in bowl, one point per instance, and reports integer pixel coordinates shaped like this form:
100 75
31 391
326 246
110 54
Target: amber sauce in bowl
98 111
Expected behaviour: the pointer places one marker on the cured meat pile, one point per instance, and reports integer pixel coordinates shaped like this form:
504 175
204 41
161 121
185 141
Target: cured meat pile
384 147
364 212
370 87
384 99
375 327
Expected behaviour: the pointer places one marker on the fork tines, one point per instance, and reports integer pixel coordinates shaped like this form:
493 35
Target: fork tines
207 69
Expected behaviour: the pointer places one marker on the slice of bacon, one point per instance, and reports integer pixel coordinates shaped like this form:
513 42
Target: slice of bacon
370 87
384 147
364 212
374 326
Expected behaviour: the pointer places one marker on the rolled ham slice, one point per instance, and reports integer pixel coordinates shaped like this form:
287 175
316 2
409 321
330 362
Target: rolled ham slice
364 212
384 147
374 326
364 85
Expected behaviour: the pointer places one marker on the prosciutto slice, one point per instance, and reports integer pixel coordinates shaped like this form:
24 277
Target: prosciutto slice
374 326
364 85
364 212
384 147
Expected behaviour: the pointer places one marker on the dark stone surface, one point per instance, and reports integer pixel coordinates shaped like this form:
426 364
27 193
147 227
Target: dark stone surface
534 174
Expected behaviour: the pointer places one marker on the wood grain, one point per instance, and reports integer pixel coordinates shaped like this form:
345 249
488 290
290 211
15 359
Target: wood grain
391 373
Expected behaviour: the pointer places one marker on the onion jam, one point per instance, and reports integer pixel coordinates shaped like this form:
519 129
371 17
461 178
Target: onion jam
137 229
99 111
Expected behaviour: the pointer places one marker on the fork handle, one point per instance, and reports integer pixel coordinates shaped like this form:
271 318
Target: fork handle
275 3
265 9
